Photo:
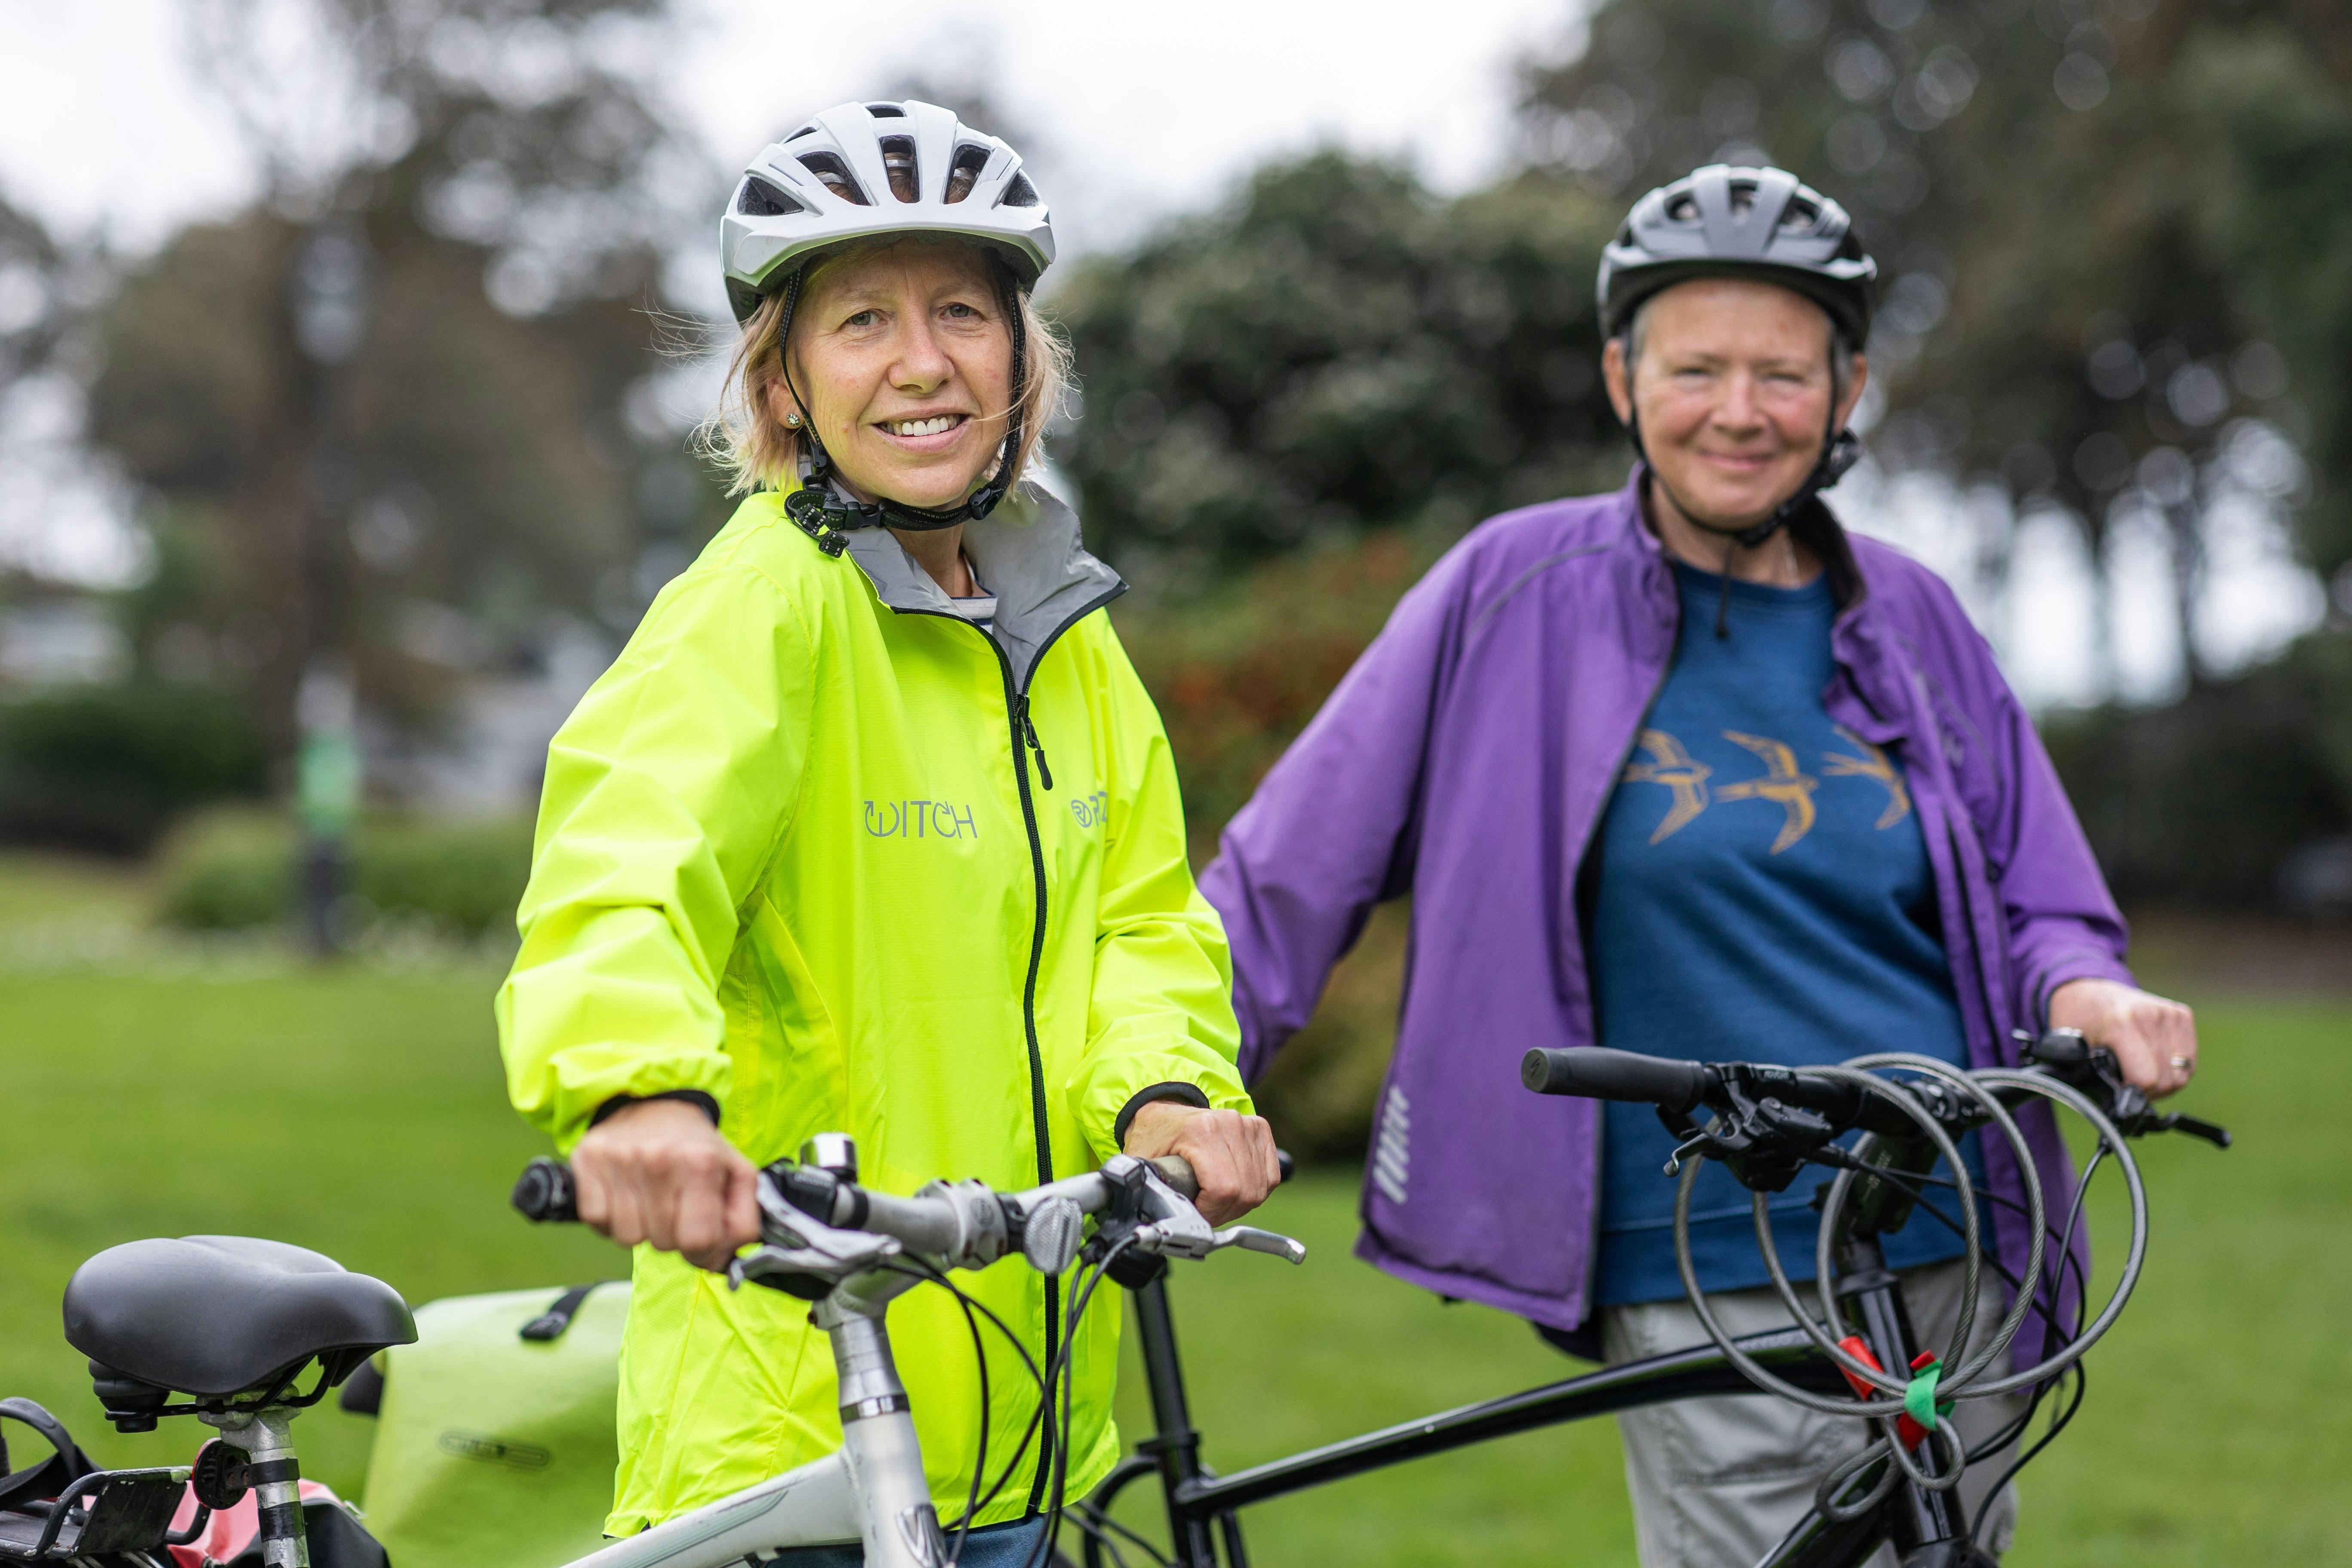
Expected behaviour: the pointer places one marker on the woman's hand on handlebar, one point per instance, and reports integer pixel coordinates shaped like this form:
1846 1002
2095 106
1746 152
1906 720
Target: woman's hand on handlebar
2154 1040
658 1170
1232 1156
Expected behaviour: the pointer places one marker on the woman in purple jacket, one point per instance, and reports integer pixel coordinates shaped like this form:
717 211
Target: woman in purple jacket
1685 769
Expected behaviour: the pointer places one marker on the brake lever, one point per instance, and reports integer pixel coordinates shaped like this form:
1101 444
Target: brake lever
798 1247
1249 1238
2213 1132
2071 1059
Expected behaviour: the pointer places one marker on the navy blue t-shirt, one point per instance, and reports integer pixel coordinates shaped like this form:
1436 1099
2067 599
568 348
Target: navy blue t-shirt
1762 893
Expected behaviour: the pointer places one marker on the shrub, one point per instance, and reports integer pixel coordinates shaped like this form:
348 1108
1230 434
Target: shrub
239 869
108 768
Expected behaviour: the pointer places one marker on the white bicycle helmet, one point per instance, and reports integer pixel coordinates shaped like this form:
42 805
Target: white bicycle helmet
865 170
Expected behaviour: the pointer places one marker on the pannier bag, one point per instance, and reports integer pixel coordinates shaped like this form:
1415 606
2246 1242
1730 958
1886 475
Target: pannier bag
495 1446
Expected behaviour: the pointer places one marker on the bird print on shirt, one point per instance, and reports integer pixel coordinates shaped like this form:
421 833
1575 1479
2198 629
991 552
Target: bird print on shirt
1676 769
1665 760
1782 783
1872 763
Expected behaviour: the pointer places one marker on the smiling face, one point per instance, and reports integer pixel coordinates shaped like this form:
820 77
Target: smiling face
1735 391
904 357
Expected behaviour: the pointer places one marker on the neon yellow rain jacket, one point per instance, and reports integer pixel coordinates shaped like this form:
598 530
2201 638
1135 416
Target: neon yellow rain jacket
796 851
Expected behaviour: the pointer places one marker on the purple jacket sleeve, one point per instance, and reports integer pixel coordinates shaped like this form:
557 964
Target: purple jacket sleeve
2062 924
1330 832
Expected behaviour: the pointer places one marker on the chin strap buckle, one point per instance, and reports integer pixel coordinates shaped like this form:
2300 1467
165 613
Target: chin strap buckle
812 516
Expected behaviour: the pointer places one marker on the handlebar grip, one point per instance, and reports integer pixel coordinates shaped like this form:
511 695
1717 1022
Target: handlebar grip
1596 1072
1174 1170
1177 1172
545 1194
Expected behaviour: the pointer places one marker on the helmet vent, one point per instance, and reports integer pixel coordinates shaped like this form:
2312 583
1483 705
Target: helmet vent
899 164
758 198
1799 214
965 171
808 130
828 167
1020 194
886 111
1683 209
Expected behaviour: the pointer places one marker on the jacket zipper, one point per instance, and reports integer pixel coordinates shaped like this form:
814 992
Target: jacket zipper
1028 730
1024 739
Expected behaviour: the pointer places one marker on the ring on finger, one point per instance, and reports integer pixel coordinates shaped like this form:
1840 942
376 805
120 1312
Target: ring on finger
2184 1063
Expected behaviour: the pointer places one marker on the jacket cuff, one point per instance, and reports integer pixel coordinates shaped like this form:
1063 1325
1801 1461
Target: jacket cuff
2085 963
1186 1093
706 1103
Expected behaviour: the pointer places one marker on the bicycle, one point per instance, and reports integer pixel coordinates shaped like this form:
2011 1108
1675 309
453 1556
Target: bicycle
239 1323
1768 1124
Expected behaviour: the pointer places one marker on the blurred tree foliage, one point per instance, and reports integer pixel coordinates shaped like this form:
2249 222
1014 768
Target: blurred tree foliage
2097 222
483 454
34 303
1237 673
2204 803
1333 350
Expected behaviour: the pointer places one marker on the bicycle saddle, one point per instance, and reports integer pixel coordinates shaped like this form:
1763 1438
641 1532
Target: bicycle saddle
215 1316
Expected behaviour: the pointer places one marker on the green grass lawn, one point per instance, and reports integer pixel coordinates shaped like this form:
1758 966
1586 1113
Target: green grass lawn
359 1110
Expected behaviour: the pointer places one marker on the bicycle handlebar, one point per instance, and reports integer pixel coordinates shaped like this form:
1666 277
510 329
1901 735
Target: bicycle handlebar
1596 1072
1681 1085
547 1194
824 1224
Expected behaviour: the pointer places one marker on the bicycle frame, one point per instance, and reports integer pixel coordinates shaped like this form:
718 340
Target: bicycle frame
1202 1506
871 1490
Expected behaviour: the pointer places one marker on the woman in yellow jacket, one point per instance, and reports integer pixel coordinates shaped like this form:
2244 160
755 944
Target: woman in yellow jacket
803 863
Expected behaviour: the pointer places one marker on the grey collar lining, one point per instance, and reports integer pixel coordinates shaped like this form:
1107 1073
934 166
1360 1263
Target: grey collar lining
1028 553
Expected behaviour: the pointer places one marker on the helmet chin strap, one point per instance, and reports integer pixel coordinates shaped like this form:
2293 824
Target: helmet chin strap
822 506
1841 449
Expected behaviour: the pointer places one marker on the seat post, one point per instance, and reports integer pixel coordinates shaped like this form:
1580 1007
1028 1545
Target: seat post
275 1478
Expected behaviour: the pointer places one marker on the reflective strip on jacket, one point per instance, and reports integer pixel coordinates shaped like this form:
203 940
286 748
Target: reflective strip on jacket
786 857
1466 760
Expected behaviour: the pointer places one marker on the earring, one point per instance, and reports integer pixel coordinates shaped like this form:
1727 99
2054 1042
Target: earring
791 421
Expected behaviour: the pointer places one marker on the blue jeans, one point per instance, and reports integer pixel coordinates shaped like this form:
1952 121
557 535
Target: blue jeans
990 1546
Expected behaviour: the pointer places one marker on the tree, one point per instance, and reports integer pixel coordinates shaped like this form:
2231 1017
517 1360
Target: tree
420 494
1335 350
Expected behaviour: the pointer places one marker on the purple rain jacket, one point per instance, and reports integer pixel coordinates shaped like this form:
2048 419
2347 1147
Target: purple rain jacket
1466 760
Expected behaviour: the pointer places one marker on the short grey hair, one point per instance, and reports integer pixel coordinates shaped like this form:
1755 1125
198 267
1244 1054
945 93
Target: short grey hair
1841 348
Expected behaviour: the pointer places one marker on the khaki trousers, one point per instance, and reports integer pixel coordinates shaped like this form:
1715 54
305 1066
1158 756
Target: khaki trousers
1717 1483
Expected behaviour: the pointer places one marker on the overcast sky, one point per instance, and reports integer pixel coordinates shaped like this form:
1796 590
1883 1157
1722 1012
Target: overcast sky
1150 109
1140 110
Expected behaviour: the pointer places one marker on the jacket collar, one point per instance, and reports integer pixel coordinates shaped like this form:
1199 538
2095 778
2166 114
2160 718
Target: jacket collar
1027 552
1814 526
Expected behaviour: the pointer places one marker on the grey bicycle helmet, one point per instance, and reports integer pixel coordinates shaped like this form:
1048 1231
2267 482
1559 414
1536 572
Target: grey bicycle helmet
871 171
1722 221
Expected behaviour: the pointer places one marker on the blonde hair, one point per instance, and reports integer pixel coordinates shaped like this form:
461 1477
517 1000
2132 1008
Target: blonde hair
759 451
